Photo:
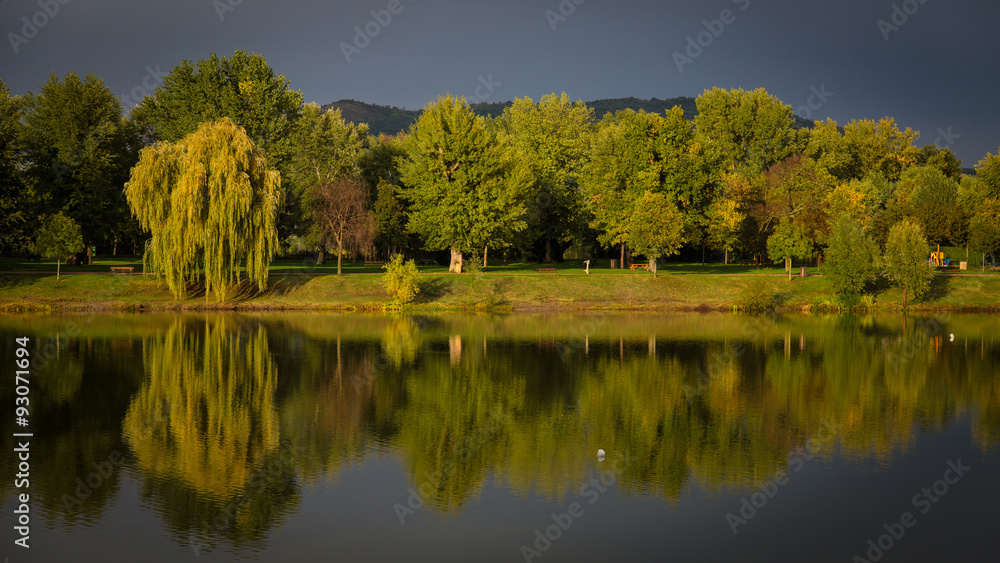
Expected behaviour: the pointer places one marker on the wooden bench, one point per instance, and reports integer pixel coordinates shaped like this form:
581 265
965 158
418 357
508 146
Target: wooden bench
553 270
121 269
373 263
634 267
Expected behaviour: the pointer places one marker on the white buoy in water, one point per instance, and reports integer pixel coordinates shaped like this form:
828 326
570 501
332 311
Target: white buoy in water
952 337
600 455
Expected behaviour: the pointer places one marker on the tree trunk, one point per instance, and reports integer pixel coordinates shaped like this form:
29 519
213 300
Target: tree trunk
548 251
57 270
456 261
788 267
321 258
727 257
622 263
486 250
652 266
340 254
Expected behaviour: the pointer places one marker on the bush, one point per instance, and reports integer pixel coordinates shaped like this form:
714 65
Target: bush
400 280
758 295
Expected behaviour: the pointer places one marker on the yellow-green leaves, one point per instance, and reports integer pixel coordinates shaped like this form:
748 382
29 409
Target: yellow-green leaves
211 205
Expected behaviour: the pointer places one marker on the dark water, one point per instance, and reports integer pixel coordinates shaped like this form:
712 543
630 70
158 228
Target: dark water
353 438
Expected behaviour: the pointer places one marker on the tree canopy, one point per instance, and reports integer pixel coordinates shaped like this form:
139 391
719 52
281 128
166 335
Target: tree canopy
906 253
243 88
211 204
464 189
657 228
58 238
78 149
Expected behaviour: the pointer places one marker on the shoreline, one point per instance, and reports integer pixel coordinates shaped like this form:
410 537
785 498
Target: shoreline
491 292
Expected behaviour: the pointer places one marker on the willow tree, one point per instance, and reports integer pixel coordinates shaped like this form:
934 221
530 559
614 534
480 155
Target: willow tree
211 204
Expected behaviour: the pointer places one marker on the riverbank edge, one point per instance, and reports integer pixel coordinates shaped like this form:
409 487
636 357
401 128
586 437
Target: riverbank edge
449 293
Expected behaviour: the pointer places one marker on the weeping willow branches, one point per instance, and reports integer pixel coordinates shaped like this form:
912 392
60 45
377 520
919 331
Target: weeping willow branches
211 205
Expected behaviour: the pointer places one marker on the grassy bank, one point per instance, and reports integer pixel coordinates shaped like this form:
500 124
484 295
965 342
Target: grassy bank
516 287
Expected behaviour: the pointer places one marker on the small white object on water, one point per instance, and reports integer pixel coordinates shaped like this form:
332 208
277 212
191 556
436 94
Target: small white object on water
952 337
600 455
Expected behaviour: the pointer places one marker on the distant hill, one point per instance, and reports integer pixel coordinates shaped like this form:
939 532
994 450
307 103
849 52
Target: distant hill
391 120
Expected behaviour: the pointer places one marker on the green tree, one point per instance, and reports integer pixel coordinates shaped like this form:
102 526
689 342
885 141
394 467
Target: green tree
657 228
984 229
725 225
211 203
551 139
788 241
863 147
851 259
753 130
326 149
988 174
464 189
390 219
906 253
243 88
798 188
942 159
634 152
932 198
13 199
58 238
78 149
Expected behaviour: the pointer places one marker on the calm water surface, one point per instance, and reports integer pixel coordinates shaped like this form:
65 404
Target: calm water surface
308 437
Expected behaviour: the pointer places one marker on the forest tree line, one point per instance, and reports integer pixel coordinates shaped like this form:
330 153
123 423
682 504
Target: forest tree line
741 177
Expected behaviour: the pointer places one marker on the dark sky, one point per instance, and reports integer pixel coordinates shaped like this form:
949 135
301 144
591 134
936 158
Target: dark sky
936 73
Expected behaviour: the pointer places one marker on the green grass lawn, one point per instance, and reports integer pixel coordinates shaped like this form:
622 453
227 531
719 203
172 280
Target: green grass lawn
297 284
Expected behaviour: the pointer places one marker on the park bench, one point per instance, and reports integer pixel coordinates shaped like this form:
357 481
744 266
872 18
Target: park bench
634 267
121 269
542 270
373 263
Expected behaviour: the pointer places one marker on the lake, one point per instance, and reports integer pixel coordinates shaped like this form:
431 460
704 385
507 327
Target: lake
319 437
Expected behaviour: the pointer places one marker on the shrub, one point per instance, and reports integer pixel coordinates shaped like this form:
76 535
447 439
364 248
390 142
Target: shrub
758 295
400 280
